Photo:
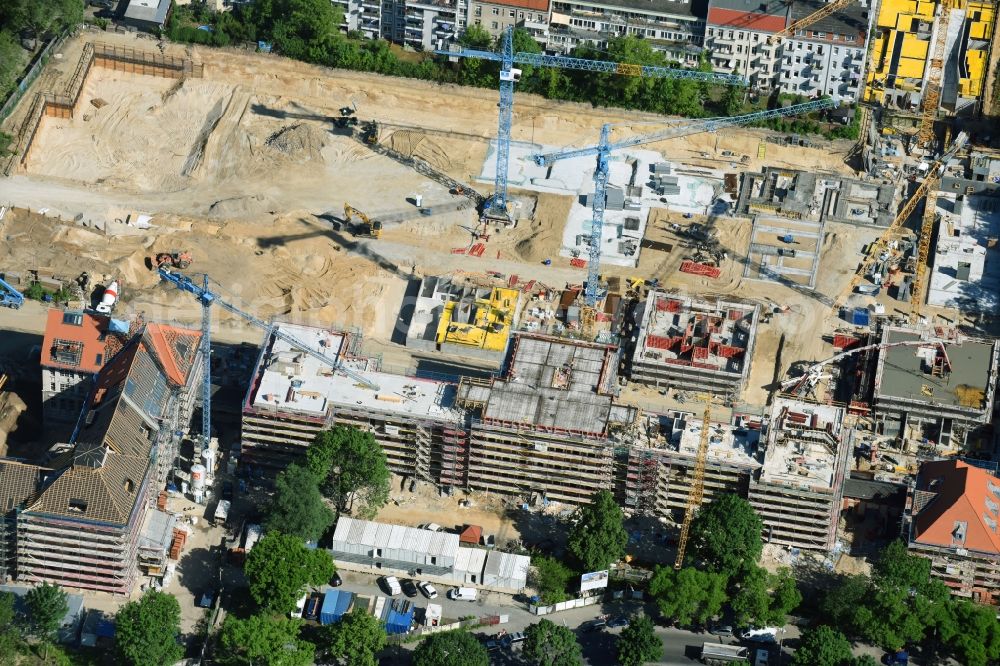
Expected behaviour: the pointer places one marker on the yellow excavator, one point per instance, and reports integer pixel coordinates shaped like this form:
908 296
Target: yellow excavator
370 228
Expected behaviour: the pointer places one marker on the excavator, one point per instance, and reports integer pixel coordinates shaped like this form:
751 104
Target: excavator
175 259
368 227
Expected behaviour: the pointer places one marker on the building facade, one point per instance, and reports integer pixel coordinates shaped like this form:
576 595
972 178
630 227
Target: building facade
952 517
79 526
73 352
423 25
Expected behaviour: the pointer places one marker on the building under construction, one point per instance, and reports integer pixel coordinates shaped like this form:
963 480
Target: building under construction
293 396
799 490
942 390
689 344
77 520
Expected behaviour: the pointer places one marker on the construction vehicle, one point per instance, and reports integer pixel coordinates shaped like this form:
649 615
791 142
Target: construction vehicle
603 152
369 132
368 227
496 205
10 297
3 381
175 259
881 245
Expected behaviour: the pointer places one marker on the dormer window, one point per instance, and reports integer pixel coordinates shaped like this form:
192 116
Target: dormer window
77 506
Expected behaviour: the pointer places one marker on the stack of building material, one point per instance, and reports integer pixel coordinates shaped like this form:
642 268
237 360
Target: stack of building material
700 269
180 538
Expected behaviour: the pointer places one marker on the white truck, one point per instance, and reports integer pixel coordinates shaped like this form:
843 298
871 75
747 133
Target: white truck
462 594
716 654
221 513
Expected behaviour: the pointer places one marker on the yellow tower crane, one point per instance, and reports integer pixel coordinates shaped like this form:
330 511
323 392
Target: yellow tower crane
932 91
697 485
824 11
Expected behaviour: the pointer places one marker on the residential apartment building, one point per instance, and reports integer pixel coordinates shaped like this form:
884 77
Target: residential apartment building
676 28
826 58
953 518
497 15
423 25
76 521
73 352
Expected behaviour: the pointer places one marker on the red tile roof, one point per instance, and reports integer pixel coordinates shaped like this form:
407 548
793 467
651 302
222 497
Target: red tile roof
534 5
965 509
174 348
80 345
471 534
745 20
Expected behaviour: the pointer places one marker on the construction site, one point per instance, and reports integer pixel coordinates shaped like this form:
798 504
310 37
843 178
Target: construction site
720 310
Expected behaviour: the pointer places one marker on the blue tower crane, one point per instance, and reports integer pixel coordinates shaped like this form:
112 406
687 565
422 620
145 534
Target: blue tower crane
206 359
496 205
603 152
208 298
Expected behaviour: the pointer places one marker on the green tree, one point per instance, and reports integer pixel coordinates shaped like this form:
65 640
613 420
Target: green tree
840 604
765 599
280 567
638 643
971 632
265 640
597 537
725 535
732 100
8 634
551 578
12 58
688 596
354 468
47 607
147 631
822 646
550 644
355 640
43 17
451 648
297 507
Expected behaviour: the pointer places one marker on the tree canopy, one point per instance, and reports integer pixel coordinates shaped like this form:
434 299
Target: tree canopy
764 599
597 537
451 648
279 568
355 640
688 596
41 17
47 606
297 507
822 646
549 644
147 631
353 467
638 643
264 640
725 535
551 578
8 632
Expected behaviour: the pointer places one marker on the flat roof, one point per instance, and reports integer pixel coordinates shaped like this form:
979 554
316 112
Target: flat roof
291 380
802 444
726 443
961 276
383 535
905 371
154 11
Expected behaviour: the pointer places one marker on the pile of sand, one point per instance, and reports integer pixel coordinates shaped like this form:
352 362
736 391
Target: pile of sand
302 142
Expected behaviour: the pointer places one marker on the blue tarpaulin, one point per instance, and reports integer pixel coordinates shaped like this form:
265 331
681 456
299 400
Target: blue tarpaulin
335 604
399 618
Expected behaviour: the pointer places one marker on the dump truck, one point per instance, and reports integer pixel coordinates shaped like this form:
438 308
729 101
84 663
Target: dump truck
716 654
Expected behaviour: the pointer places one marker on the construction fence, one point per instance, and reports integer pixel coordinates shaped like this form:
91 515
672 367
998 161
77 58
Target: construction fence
63 105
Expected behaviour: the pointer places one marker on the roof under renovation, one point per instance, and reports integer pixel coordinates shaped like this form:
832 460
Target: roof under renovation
920 373
551 383
802 444
957 505
290 380
74 341
114 442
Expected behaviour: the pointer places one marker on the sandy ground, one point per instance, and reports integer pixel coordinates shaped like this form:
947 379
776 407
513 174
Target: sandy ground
244 169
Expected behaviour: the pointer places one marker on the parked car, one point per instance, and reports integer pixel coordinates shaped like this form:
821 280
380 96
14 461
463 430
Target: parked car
595 625
390 585
207 599
492 646
336 581
300 607
409 589
721 629
463 594
510 639
428 590
620 621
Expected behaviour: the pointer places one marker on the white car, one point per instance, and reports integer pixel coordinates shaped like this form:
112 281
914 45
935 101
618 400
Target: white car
428 590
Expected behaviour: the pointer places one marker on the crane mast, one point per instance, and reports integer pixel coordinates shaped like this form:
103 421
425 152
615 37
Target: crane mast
697 493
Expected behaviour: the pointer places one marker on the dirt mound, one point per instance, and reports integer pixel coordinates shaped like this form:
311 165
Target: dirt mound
11 407
301 142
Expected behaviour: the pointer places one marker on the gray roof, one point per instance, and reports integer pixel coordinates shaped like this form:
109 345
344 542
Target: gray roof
762 7
399 537
153 11
674 7
866 489
17 483
851 20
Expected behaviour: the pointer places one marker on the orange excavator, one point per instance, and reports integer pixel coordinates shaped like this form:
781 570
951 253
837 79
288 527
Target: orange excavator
173 260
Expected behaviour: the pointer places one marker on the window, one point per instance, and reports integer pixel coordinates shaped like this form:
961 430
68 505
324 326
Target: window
478 22
100 359
434 560
510 13
520 15
494 25
820 35
730 34
73 318
496 12
77 505
740 36
479 11
378 552
836 50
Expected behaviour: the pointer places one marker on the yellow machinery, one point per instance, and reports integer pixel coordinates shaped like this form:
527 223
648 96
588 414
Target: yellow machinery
932 96
697 485
924 249
370 228
489 326
793 27
879 246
